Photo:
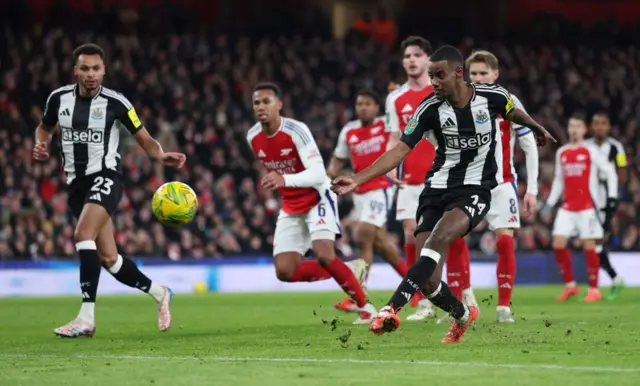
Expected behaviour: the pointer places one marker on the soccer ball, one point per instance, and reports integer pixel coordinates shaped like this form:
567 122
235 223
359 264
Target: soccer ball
174 204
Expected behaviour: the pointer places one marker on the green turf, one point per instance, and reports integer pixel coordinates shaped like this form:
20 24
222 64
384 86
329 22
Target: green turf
212 333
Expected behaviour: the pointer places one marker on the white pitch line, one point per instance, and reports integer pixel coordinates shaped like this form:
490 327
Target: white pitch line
329 360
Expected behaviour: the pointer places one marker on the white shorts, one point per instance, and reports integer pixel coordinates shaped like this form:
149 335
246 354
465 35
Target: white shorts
504 211
584 224
373 207
295 232
407 205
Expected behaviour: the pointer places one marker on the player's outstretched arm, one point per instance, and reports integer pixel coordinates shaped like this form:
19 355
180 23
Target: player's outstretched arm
519 117
389 160
126 114
154 150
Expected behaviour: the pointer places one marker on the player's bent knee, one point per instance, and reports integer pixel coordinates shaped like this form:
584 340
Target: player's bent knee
286 264
284 273
107 261
431 287
84 234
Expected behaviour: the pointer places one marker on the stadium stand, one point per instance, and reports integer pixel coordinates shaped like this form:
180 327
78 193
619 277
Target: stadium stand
192 91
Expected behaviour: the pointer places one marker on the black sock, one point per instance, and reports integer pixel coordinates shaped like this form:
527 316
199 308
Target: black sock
89 270
606 264
448 302
416 278
127 273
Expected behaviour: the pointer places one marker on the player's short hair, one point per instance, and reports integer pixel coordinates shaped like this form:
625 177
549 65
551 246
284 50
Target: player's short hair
371 94
483 56
417 41
580 117
87 49
450 54
601 113
268 86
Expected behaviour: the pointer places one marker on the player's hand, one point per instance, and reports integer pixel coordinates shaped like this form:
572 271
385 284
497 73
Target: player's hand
542 136
529 204
343 185
273 180
393 176
40 152
173 159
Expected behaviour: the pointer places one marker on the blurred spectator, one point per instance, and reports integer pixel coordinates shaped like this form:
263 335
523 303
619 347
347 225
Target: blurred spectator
193 92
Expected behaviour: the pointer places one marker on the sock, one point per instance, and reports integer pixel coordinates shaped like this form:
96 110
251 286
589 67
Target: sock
605 263
89 270
455 267
444 299
563 258
87 312
309 270
126 272
345 278
415 279
506 269
401 268
410 254
593 267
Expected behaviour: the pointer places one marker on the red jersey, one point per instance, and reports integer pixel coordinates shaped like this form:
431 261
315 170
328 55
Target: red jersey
400 106
291 151
364 145
577 170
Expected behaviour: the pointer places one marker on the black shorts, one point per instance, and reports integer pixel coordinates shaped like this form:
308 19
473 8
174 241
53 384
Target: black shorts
103 188
475 201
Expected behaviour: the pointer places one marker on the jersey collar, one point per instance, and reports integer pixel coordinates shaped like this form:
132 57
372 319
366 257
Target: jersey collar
76 92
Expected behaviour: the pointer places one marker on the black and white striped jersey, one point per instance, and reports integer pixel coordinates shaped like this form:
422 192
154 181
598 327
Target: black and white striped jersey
612 151
467 140
89 128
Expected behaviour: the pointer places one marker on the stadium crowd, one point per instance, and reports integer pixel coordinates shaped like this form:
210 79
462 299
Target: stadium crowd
193 92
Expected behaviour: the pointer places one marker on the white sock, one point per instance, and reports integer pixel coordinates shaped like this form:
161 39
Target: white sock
156 292
87 311
115 268
465 317
468 297
571 284
618 280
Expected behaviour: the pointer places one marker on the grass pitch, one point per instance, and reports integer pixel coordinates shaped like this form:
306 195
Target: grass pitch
299 339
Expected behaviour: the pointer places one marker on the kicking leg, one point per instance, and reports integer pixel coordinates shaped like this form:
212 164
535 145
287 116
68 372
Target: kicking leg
426 276
126 272
425 308
91 220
